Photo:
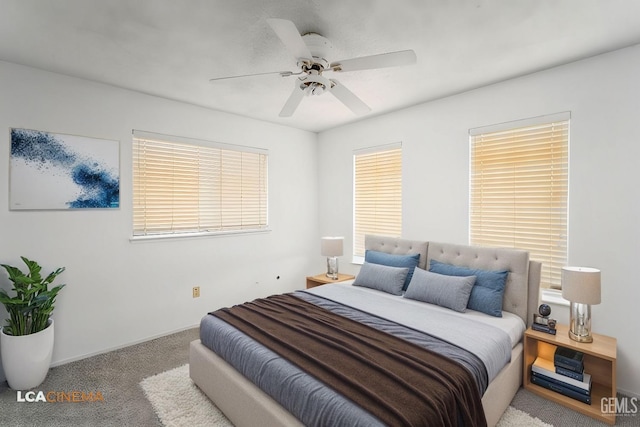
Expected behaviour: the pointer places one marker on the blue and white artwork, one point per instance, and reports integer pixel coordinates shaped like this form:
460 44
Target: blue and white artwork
57 171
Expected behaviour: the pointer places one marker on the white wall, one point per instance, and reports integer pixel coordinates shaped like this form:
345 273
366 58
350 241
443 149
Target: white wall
602 94
119 292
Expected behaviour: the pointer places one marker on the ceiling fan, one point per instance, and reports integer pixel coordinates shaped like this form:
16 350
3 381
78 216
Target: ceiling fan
311 51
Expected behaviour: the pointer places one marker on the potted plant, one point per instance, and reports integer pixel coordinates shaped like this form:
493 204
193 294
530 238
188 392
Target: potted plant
26 341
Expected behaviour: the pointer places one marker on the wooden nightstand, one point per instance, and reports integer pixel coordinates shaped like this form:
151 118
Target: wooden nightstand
599 361
322 279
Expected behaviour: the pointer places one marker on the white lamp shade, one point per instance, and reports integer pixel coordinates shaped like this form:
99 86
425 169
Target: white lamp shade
331 246
581 285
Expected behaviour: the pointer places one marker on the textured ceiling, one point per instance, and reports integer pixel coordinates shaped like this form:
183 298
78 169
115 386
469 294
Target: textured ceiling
171 48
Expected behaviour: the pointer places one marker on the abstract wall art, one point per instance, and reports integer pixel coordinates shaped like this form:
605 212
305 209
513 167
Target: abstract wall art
58 171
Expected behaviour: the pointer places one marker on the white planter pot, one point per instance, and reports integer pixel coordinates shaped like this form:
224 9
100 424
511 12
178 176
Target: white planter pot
26 358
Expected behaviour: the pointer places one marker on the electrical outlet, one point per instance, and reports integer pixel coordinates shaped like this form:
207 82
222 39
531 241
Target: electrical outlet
196 291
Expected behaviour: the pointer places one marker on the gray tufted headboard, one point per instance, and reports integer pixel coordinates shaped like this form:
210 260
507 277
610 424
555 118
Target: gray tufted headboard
395 246
521 294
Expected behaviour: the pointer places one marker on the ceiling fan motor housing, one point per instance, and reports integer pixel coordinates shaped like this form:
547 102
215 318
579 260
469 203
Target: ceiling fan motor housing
320 48
312 82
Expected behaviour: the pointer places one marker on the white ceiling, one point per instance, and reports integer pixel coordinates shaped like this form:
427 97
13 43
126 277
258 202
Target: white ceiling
171 48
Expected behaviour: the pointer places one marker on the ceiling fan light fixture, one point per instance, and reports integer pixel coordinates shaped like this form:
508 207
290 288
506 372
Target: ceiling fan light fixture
314 84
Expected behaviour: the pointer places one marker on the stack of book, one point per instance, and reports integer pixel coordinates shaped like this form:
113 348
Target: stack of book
564 375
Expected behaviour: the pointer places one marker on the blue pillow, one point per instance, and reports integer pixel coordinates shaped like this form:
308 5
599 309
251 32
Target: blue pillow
408 261
486 294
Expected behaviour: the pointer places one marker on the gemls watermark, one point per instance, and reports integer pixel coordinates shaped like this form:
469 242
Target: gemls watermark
624 406
58 396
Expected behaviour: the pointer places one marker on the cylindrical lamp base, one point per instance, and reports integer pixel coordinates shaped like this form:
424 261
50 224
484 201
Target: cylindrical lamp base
580 322
580 338
332 267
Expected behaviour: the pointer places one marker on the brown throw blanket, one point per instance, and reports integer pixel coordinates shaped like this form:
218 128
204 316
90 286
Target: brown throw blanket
399 382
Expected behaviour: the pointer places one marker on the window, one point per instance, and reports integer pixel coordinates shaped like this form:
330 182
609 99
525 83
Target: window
519 186
377 194
187 187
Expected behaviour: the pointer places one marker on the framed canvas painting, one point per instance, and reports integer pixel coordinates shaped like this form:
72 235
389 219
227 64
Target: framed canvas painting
58 171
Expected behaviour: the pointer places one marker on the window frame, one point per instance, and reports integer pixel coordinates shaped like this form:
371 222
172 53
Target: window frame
358 256
206 146
550 279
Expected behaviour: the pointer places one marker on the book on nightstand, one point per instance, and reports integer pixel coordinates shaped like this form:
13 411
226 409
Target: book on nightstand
543 374
559 388
569 359
569 373
544 367
543 328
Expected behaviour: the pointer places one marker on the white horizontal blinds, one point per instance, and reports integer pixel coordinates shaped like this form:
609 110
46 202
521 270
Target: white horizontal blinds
519 186
377 194
193 188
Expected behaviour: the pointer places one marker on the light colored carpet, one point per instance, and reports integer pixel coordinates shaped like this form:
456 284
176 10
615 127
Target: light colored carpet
178 402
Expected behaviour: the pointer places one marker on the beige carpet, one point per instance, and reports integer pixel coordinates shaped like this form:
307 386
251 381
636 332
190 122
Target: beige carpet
178 402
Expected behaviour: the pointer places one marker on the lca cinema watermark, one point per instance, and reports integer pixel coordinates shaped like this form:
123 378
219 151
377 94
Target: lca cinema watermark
73 396
621 406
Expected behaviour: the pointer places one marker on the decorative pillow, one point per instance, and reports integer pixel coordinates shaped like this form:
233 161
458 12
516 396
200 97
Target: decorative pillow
409 261
487 293
382 277
446 291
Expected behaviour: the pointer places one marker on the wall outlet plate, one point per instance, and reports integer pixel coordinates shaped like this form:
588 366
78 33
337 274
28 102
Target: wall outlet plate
196 291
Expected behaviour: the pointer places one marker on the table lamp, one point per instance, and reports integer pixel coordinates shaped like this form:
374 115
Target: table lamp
581 286
331 247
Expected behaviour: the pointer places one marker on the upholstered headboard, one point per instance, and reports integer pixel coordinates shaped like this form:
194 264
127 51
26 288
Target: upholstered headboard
521 294
396 246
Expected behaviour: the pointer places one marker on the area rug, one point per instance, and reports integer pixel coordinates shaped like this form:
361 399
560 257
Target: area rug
178 402
513 417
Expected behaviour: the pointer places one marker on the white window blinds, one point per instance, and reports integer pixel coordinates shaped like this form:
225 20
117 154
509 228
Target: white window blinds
377 194
185 186
519 186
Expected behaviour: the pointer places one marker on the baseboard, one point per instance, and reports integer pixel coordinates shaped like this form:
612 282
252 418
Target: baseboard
629 393
129 344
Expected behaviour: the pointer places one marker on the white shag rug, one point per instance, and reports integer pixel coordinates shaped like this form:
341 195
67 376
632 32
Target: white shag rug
178 402
513 417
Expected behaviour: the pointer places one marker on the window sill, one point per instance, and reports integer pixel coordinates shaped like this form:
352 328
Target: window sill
182 236
553 296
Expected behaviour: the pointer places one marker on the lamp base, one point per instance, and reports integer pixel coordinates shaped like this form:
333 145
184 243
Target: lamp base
580 338
580 322
332 267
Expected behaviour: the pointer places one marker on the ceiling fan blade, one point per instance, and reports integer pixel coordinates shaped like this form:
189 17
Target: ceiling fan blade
282 74
383 60
293 102
290 36
348 98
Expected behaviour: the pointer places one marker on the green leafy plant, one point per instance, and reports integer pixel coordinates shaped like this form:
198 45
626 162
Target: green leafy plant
30 308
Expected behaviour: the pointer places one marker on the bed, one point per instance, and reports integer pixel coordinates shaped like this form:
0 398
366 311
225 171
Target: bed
246 404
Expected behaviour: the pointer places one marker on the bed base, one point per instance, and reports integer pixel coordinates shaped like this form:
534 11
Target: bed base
246 405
